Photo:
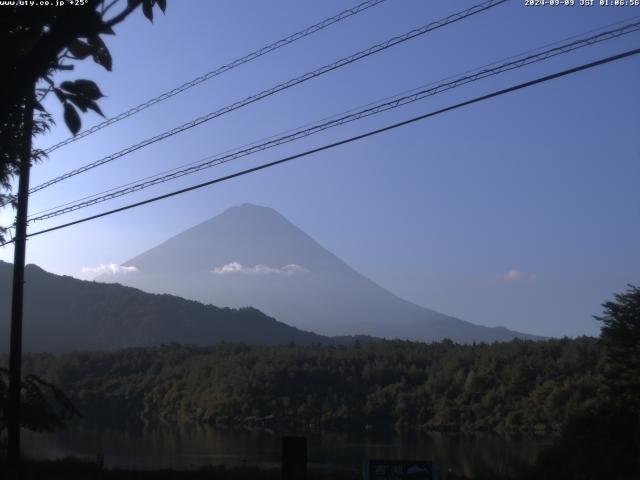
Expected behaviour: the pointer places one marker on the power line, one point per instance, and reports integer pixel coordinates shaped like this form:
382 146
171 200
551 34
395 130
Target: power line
497 93
413 90
280 87
220 70
304 132
334 116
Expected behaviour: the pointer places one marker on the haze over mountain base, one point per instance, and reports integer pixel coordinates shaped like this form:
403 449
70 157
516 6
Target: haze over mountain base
253 256
64 314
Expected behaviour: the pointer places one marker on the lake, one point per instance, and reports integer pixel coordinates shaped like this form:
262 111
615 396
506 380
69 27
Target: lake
190 446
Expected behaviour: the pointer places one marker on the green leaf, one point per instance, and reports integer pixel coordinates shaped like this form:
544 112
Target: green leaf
71 118
60 94
79 102
101 53
147 9
79 49
68 86
85 104
162 4
107 30
94 106
90 22
84 88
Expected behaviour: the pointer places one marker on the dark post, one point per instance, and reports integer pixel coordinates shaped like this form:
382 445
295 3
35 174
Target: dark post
294 458
15 349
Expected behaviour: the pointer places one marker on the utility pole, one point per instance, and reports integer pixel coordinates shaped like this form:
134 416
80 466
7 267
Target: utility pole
15 349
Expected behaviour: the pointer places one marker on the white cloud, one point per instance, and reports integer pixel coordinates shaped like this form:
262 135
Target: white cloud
514 275
110 269
233 267
260 269
292 269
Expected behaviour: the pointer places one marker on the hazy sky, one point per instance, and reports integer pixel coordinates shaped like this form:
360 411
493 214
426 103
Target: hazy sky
522 211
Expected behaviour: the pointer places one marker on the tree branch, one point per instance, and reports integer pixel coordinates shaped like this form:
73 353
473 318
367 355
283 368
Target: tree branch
124 14
105 9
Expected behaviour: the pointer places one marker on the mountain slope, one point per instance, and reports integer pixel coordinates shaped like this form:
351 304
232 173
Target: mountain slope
63 314
252 255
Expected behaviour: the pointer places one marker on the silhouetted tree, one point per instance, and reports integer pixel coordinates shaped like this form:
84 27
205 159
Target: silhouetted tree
44 406
39 41
621 337
603 439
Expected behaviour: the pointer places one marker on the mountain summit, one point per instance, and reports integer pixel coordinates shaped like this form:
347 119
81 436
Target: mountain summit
253 256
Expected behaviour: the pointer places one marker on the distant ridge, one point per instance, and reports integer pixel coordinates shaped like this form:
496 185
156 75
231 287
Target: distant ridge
64 314
253 256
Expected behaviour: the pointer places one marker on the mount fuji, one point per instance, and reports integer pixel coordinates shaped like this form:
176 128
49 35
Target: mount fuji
253 256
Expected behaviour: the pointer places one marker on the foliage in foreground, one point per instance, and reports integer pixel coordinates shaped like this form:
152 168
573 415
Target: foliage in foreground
44 406
40 40
604 441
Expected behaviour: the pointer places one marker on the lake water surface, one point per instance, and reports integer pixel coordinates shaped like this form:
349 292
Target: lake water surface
188 447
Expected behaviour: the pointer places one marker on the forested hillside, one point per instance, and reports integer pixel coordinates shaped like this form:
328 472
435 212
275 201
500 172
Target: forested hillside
64 314
512 386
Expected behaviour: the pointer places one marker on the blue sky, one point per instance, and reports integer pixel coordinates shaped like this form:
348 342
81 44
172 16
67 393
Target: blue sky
522 211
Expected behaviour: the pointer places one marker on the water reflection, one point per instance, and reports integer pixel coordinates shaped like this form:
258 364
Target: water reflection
192 446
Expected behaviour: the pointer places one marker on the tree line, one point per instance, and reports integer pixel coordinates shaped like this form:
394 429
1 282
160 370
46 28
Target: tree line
518 385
